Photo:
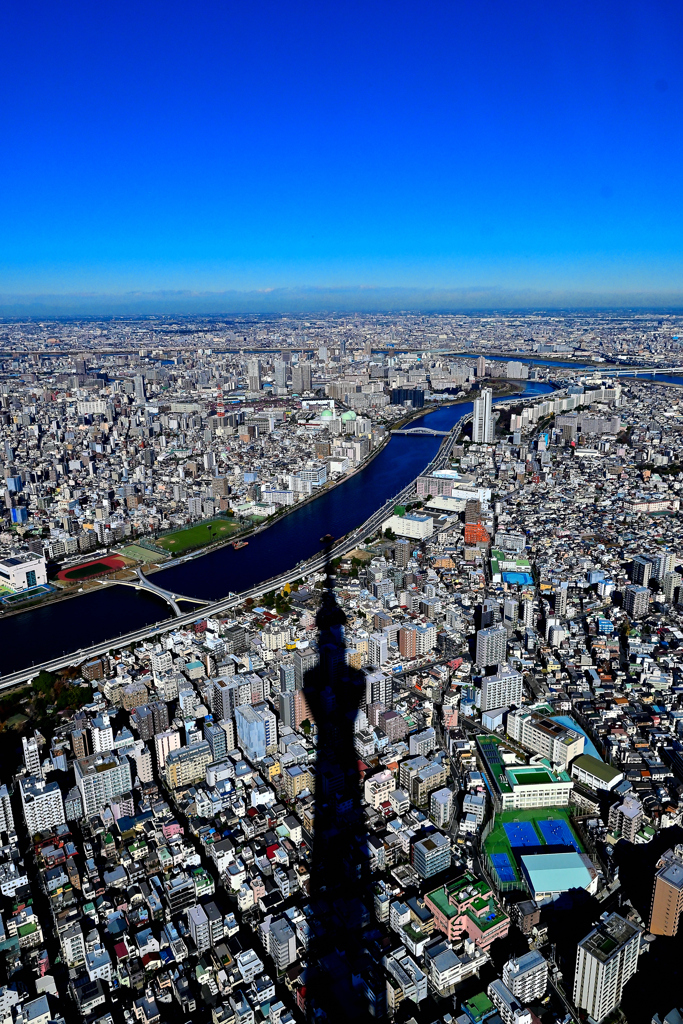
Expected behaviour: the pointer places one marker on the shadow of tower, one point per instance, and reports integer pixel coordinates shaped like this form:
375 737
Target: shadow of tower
339 872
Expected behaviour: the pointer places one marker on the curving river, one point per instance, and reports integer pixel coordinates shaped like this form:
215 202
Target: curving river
47 632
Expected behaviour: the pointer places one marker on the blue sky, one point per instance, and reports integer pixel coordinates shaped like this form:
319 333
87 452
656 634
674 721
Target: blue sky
436 145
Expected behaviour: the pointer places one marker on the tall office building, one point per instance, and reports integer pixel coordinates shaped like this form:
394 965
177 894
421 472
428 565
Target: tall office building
482 420
287 677
510 614
667 893
256 731
304 661
301 378
501 690
641 570
254 375
139 390
42 803
637 601
280 373
605 960
216 738
491 646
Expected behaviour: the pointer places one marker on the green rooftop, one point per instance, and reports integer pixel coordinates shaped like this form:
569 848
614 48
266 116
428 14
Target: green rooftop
478 1006
602 771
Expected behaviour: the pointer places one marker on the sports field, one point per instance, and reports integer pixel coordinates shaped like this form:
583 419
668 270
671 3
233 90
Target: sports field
196 536
516 832
98 567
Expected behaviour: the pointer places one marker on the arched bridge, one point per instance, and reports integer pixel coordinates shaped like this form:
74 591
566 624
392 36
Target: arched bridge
142 583
422 430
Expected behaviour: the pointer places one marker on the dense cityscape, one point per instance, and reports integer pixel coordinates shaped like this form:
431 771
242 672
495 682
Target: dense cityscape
506 786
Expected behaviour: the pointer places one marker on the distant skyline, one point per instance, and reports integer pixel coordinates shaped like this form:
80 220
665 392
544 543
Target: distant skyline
526 154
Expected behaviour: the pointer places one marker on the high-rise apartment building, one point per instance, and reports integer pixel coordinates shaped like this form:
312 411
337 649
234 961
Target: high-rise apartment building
482 420
432 855
491 646
378 648
254 374
407 642
667 893
641 570
102 734
187 765
164 743
42 803
378 688
502 689
282 943
100 779
527 976
627 818
670 584
545 736
662 563
637 601
31 752
605 960
199 928
6 813
301 378
402 550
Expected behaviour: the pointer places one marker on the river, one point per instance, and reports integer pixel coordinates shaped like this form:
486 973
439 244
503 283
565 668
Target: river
55 629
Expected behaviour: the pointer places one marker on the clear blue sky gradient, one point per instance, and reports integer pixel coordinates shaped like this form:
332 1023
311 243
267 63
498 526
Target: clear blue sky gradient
237 145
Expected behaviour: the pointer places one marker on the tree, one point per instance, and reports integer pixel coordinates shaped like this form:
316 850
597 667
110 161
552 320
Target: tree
306 727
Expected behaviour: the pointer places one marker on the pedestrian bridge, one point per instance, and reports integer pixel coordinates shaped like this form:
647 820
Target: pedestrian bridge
422 430
142 583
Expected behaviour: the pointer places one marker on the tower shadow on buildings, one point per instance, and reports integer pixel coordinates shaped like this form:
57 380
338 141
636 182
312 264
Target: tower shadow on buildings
340 877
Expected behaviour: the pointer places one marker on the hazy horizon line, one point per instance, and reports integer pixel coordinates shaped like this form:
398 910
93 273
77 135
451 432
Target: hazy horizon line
328 299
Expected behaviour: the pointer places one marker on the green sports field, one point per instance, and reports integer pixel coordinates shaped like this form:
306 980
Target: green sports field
197 536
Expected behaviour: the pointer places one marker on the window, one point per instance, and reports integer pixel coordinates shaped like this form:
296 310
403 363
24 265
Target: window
30 578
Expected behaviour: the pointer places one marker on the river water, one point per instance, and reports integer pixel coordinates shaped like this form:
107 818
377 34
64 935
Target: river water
48 632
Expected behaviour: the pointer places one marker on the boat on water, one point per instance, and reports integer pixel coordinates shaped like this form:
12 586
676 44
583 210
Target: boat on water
240 544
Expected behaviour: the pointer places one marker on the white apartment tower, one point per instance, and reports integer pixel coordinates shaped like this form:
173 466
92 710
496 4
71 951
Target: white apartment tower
42 803
31 755
482 421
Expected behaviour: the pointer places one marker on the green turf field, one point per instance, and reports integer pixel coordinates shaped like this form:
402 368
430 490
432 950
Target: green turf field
195 536
141 554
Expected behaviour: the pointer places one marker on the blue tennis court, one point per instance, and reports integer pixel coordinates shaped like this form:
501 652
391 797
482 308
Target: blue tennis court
521 833
557 832
503 867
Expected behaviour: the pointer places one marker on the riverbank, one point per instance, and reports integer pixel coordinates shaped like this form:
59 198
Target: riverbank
280 550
